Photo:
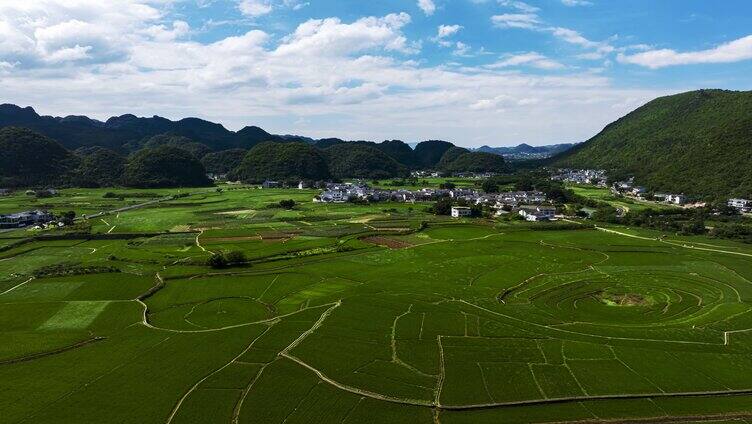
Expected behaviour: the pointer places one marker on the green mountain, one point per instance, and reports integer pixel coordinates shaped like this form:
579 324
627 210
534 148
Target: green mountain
198 150
29 159
450 156
99 167
164 166
429 153
223 161
477 162
698 143
282 161
354 160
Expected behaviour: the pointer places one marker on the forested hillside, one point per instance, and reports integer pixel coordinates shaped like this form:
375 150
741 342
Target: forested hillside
698 143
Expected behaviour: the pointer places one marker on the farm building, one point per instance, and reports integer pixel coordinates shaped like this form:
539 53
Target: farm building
460 211
271 184
743 205
24 219
537 213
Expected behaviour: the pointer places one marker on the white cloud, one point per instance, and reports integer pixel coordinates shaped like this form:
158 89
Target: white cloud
532 59
600 48
333 37
328 77
427 6
461 49
255 8
572 3
516 20
733 51
448 30
519 5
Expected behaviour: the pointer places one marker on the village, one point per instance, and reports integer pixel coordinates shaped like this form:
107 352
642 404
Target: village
528 205
531 205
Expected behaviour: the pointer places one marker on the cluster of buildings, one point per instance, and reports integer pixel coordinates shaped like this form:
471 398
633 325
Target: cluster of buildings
595 177
628 188
532 205
26 219
347 192
436 174
742 205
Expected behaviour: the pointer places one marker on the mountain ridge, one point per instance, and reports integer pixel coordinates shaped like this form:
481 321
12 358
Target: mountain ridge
697 143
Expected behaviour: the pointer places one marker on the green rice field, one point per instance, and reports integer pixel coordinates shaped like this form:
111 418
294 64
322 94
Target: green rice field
365 314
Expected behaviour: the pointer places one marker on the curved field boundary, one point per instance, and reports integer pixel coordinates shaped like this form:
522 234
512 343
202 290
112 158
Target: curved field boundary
437 405
667 419
555 329
672 243
39 355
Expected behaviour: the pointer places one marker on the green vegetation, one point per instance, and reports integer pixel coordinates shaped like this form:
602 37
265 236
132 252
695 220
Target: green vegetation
449 156
696 143
477 162
164 166
364 313
429 153
224 161
31 159
399 151
351 160
99 167
198 150
285 162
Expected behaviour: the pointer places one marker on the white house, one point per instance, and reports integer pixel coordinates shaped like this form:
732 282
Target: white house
677 199
537 213
744 205
460 211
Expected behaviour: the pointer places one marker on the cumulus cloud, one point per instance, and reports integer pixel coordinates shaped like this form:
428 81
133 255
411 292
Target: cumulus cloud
448 30
572 3
54 31
427 6
255 8
333 37
327 77
733 51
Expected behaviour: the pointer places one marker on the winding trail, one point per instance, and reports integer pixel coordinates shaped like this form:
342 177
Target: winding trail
671 243
17 286
198 243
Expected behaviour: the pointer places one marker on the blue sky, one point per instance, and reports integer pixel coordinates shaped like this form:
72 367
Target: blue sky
496 72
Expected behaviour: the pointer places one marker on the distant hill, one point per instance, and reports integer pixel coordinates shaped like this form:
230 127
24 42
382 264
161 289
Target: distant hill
219 151
282 162
526 151
122 132
698 143
429 153
30 159
477 162
359 160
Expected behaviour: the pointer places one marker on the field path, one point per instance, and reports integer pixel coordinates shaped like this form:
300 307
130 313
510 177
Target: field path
198 243
16 286
177 406
677 244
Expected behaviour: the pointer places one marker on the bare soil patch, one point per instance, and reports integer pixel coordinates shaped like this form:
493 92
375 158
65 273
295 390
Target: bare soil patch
387 242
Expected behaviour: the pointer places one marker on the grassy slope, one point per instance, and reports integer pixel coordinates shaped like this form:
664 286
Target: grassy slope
696 142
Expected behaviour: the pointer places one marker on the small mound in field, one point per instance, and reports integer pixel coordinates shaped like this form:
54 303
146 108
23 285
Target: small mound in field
387 242
623 299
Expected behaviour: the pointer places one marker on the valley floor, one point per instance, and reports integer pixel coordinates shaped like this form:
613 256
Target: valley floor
365 314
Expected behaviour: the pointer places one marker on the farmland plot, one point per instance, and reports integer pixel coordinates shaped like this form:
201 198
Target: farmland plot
456 323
